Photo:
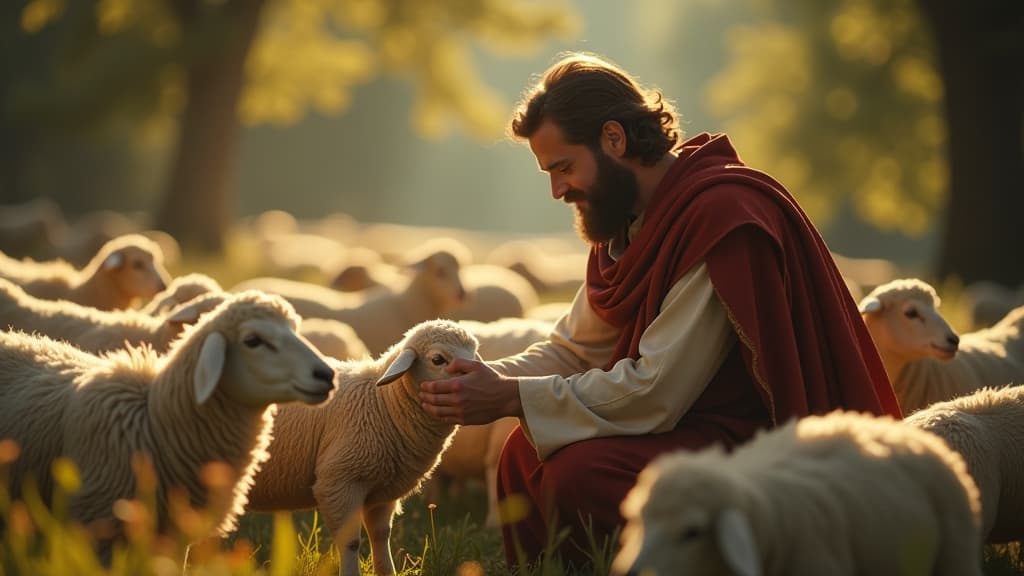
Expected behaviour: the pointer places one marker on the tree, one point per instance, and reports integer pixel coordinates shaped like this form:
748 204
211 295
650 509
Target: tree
206 66
849 103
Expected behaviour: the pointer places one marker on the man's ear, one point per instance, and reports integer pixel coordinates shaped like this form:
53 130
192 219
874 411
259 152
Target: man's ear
613 139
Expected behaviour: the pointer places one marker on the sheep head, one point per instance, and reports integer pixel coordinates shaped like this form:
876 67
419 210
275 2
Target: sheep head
437 273
426 351
905 324
251 352
684 512
132 266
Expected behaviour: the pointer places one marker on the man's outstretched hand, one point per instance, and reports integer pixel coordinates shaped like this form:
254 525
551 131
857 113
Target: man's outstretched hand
475 394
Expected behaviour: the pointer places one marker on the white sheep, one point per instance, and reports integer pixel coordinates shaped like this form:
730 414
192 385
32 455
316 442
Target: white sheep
381 318
210 399
987 429
492 293
840 494
93 330
551 267
181 289
126 268
925 360
332 338
369 447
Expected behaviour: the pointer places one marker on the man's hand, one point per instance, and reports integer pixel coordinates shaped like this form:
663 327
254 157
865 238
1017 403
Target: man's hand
477 395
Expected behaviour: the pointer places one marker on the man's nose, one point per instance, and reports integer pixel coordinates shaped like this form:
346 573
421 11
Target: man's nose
558 188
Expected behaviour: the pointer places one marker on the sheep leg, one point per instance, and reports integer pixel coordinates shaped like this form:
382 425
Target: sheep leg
338 505
377 519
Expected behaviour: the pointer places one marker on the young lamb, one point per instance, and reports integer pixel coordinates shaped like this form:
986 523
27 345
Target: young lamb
840 494
210 399
369 447
126 268
95 330
987 429
925 360
181 290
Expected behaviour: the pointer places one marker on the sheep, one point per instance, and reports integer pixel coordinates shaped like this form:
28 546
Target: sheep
369 447
550 267
925 360
383 316
493 293
93 330
843 493
475 450
210 399
125 269
990 301
987 429
180 290
333 338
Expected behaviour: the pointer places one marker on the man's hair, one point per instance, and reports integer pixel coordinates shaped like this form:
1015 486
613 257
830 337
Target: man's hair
581 92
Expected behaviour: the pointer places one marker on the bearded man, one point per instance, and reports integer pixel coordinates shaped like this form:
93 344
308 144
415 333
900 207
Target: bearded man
711 309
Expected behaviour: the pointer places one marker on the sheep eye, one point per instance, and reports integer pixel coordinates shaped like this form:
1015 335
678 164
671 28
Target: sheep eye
911 313
253 341
690 534
438 360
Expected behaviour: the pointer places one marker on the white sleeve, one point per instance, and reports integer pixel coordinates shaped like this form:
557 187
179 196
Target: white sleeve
679 353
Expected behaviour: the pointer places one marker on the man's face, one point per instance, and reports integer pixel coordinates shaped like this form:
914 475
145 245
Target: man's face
602 190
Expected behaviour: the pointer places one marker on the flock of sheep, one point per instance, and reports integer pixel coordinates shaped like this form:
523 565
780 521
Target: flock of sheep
308 394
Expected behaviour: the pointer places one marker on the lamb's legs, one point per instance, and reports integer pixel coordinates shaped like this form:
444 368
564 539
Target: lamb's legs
377 519
338 508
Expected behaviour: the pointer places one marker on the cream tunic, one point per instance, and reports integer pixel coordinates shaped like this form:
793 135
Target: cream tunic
567 396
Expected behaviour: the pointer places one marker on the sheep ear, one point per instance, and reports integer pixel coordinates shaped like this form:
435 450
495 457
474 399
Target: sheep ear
187 314
113 261
210 366
400 366
869 305
735 540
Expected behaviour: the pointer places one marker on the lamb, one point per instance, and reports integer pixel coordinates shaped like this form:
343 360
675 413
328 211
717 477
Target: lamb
475 450
925 360
987 429
126 268
839 494
93 330
210 399
369 447
382 317
181 290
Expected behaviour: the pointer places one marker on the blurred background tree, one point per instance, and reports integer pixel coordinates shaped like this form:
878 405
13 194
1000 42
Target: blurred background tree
200 67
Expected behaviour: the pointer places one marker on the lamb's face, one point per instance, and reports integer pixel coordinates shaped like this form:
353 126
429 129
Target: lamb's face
679 522
428 349
911 329
135 272
267 363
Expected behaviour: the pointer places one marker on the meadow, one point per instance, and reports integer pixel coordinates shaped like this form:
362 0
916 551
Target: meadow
442 536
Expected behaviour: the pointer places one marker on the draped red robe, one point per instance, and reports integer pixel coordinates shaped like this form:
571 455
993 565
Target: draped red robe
803 348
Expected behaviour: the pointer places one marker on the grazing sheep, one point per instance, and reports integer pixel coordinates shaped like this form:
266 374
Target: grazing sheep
492 293
127 268
332 338
95 330
925 360
840 494
987 429
209 400
369 447
380 319
181 290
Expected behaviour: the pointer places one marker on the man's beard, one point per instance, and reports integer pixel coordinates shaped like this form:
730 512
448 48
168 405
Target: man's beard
609 202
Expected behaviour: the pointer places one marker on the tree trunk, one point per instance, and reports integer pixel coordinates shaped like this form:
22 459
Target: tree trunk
198 205
980 45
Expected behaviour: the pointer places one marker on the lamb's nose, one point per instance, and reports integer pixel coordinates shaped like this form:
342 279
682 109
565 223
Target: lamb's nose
324 373
953 340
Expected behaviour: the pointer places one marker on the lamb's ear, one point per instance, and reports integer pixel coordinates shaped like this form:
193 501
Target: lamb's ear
114 260
400 366
735 539
189 312
210 366
869 305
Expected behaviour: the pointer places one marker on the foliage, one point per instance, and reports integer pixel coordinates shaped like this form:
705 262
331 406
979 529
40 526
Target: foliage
842 101
114 59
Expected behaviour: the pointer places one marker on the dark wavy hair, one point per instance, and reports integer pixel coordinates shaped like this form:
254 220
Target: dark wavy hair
581 92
